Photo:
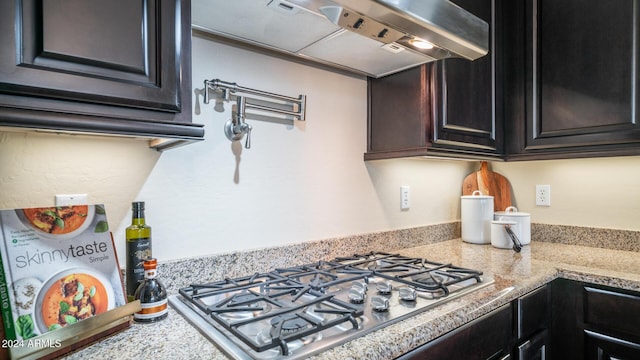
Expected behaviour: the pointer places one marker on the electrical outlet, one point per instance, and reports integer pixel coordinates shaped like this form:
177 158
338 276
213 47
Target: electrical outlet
71 199
543 195
405 198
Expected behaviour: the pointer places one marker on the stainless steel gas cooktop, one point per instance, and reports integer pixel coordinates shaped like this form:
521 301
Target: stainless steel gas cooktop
295 312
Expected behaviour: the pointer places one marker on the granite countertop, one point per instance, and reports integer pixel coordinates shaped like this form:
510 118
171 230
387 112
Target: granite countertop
515 274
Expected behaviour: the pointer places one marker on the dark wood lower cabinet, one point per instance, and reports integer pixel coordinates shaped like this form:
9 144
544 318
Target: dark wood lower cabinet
517 330
565 319
488 337
594 322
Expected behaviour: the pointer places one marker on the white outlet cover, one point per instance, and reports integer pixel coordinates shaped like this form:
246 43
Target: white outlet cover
543 195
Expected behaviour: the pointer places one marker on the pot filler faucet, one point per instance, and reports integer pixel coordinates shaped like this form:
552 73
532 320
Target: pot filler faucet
235 129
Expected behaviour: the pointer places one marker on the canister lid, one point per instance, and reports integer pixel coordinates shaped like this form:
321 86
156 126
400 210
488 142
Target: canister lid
511 211
477 195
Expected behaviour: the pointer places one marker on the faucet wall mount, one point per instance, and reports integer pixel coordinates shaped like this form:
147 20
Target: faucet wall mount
237 127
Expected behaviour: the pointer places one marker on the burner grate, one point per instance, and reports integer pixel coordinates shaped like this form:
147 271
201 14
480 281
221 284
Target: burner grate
297 311
420 274
269 298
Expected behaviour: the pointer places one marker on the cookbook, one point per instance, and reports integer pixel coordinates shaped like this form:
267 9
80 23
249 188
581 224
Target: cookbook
58 267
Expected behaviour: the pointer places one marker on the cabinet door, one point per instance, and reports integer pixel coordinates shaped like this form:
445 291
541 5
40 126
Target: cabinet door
580 80
109 52
399 123
466 94
566 307
535 348
594 321
532 312
487 337
446 108
99 66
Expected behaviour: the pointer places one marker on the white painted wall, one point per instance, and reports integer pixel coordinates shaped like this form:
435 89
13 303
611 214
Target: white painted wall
297 183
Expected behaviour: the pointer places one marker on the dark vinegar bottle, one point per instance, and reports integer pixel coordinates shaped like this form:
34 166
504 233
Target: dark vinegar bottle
152 295
138 248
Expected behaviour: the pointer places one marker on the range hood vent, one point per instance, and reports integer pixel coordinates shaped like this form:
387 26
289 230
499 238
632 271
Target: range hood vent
370 37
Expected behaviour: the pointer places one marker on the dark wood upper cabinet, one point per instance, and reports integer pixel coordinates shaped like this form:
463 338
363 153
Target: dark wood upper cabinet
467 94
574 77
446 108
115 67
561 80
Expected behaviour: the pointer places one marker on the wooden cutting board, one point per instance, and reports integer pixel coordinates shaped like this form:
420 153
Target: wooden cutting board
489 183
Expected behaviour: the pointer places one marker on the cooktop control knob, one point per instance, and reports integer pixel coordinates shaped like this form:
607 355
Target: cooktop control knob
384 288
380 303
359 285
356 295
407 294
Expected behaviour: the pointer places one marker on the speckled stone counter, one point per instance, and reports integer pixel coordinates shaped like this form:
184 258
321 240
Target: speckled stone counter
515 274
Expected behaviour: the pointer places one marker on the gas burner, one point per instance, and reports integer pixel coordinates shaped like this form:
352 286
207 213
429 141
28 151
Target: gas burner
429 279
242 299
241 306
287 324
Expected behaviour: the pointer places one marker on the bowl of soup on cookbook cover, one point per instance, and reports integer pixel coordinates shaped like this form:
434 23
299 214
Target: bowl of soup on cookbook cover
58 222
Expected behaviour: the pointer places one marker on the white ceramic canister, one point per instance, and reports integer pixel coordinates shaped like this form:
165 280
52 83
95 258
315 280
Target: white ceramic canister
523 223
499 236
476 214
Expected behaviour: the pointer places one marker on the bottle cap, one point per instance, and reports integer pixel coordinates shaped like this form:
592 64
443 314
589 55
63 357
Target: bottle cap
150 263
137 205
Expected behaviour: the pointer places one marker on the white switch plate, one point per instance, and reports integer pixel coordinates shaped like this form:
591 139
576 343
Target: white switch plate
71 199
543 195
405 198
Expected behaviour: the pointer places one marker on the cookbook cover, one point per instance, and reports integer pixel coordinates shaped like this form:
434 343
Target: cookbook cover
58 267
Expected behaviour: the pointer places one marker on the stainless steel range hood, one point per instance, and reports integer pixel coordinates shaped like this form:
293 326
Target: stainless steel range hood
371 37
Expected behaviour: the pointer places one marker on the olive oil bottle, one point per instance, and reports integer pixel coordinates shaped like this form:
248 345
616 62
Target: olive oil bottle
138 249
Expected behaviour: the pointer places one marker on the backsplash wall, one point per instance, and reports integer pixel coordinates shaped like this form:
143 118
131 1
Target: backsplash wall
599 192
297 183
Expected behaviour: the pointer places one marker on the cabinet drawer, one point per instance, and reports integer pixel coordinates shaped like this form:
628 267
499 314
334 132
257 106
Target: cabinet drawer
611 310
532 311
600 346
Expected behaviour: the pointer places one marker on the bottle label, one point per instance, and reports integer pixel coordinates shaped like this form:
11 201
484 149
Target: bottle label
150 274
152 310
137 251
